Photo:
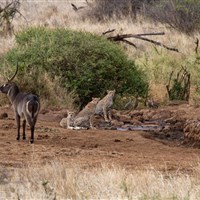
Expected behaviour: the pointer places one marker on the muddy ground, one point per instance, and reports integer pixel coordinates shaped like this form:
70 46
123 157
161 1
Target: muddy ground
91 148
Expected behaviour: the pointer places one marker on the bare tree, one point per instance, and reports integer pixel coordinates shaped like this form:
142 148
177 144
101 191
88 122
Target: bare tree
8 12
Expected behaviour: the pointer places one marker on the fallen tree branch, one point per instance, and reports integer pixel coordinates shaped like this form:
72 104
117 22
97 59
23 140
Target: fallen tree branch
130 43
158 43
122 38
119 37
109 31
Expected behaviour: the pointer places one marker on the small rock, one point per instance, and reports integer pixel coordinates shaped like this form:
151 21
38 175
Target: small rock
162 114
44 111
171 120
116 123
179 126
117 140
125 119
3 115
166 129
135 122
136 113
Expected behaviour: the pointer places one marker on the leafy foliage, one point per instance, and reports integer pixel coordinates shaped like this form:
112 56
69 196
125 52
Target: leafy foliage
86 63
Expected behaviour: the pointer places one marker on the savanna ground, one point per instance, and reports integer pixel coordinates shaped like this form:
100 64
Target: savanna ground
101 164
105 164
91 148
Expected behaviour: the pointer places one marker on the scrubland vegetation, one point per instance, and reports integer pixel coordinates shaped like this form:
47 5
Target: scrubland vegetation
85 63
68 61
152 64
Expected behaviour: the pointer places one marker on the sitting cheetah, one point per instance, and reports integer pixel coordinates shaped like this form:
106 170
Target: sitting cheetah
84 118
68 121
105 104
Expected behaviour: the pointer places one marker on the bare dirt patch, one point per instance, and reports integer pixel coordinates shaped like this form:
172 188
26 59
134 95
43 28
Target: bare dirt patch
91 148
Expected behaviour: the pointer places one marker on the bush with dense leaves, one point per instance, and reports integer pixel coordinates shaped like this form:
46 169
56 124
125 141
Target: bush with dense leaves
86 63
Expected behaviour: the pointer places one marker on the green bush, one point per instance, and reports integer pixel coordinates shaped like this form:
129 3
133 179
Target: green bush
86 64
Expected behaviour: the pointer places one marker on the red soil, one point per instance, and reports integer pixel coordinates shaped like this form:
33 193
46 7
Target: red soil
90 148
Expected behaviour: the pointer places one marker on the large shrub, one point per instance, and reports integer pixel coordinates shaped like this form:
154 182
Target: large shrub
86 63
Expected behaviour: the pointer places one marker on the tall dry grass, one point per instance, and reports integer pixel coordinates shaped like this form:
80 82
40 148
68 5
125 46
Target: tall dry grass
60 181
61 14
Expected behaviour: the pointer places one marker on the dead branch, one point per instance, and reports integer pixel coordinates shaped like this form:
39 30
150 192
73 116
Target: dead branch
197 45
122 38
7 14
168 85
150 34
179 74
179 89
158 43
130 43
108 31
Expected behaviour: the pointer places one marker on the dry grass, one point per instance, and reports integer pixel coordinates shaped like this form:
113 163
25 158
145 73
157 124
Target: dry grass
56 96
60 181
61 14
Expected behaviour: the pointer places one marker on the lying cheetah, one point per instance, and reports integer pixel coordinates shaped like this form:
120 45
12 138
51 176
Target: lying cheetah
104 105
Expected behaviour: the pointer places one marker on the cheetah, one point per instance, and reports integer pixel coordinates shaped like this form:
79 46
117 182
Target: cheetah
67 122
85 116
105 104
83 120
